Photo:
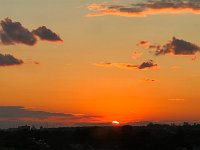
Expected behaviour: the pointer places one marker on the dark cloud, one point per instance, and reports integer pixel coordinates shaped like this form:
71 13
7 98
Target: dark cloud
9 60
146 7
178 47
46 34
20 116
21 112
145 65
15 33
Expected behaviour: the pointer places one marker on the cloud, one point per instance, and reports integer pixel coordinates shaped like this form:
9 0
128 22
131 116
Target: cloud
21 112
15 33
117 65
46 34
36 62
9 60
177 47
145 8
148 80
106 64
148 44
23 115
148 64
88 124
143 66
124 65
144 43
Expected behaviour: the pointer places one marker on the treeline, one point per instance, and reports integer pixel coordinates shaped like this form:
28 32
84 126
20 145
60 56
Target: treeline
150 137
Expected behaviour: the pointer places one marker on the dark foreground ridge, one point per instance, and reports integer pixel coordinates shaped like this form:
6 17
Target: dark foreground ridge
150 137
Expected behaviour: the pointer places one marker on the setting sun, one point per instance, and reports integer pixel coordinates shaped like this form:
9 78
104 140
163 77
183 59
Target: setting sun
115 123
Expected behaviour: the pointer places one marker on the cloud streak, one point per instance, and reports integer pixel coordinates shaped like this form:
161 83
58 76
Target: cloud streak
148 80
21 112
143 66
145 8
22 115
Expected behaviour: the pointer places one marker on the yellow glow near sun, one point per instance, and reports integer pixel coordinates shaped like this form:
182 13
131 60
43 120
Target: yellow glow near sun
115 122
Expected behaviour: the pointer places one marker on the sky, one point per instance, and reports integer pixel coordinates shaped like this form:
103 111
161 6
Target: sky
89 62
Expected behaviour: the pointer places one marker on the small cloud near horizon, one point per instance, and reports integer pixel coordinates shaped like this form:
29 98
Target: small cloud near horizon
23 115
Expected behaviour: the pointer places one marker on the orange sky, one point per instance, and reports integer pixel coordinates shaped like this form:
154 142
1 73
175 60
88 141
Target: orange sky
107 67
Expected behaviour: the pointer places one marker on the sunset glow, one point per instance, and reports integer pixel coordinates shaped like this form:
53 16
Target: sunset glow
78 63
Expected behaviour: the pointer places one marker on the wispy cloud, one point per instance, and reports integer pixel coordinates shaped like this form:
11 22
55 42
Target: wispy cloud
117 65
145 8
143 66
148 80
148 44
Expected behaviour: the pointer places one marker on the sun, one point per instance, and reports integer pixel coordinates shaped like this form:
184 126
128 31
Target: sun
115 122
